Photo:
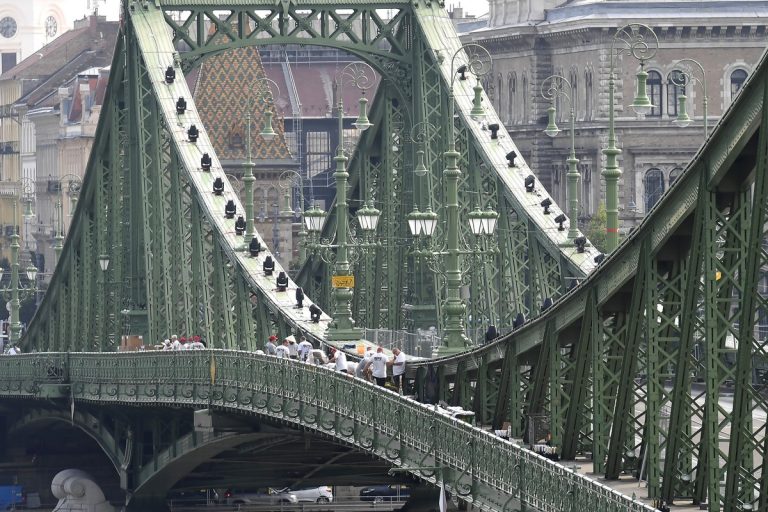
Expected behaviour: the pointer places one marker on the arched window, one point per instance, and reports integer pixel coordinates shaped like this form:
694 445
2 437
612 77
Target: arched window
654 187
654 92
511 97
259 200
574 79
524 92
674 174
488 87
588 94
675 87
738 78
500 107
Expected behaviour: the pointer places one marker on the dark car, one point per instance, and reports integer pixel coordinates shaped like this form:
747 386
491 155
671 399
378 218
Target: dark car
192 497
379 493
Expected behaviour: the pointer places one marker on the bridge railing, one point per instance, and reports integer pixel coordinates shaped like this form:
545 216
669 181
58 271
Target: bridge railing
33 369
474 463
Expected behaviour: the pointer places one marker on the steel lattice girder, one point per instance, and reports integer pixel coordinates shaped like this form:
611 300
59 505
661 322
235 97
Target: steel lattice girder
714 209
475 466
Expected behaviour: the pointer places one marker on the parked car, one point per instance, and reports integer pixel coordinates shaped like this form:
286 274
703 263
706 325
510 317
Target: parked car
322 494
193 497
379 493
270 497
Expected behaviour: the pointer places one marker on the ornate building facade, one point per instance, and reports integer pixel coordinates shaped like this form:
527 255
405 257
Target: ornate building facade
533 39
49 106
26 26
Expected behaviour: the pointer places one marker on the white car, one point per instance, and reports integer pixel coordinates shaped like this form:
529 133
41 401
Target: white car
322 494
260 498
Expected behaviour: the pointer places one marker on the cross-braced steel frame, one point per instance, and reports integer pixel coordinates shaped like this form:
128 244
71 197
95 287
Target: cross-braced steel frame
635 367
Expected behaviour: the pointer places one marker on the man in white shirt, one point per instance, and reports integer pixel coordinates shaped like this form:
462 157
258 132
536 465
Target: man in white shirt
361 366
293 348
305 348
378 364
282 351
175 343
398 368
341 361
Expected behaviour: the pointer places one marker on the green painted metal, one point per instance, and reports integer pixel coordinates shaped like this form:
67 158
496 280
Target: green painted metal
615 363
475 465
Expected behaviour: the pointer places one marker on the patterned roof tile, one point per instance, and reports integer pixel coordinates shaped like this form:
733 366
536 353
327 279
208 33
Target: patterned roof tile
227 84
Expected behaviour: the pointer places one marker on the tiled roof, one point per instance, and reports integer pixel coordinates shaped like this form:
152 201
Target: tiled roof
227 84
67 55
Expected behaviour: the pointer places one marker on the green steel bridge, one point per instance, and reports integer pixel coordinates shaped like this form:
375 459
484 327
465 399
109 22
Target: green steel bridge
629 367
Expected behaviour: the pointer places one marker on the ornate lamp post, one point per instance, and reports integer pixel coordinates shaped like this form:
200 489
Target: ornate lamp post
58 243
74 184
552 87
682 79
640 42
481 222
267 133
421 223
294 179
342 328
15 286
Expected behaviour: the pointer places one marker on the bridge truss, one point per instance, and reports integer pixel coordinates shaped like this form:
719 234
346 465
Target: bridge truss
630 367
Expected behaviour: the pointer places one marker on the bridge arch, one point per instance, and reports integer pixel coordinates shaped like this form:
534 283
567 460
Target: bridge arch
83 421
363 30
473 464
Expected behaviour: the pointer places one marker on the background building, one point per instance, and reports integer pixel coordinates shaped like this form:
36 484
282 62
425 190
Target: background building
49 107
225 87
28 25
532 39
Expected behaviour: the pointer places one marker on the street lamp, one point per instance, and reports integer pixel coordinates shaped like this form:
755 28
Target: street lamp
552 87
58 238
267 133
640 42
681 80
27 196
421 222
15 286
294 179
74 184
481 222
342 327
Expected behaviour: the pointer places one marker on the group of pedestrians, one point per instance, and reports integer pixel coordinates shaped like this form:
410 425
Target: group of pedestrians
373 366
289 348
183 343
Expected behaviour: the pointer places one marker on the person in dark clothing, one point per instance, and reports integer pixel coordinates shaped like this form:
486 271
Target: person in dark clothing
314 313
281 281
268 266
299 298
491 334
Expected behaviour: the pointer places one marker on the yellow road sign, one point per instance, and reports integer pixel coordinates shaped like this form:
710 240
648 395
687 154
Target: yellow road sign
343 281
